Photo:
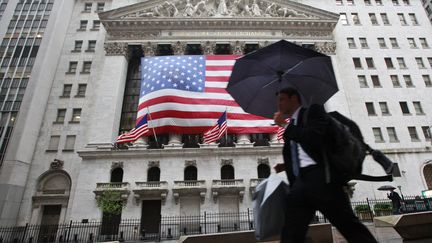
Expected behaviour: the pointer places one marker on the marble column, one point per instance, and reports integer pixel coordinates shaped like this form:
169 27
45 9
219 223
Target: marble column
174 141
110 93
243 140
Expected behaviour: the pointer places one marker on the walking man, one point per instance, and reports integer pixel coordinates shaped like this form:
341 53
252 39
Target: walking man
396 201
306 140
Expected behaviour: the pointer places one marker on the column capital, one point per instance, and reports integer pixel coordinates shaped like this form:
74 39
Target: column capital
149 49
238 47
209 47
116 49
179 48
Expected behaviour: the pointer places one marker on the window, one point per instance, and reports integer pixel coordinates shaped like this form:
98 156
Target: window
72 67
263 171
430 61
370 109
76 115
351 43
370 62
86 67
388 62
100 7
426 132
406 2
373 19
362 81
378 2
427 80
418 108
350 2
190 173
367 2
423 43
153 174
96 25
339 2
413 19
392 134
401 62
87 7
395 2
117 175
408 81
355 18
227 172
375 81
91 46
70 143
413 134
402 19
78 46
384 108
404 108
343 18
357 63
66 90
377 134
61 114
81 90
412 43
396 171
53 143
363 43
382 43
385 19
83 25
420 63
394 43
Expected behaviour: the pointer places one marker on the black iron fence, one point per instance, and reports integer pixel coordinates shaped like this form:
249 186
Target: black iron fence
172 227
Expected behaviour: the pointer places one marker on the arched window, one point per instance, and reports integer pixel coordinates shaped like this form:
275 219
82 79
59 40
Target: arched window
153 174
227 172
427 172
190 173
263 171
117 175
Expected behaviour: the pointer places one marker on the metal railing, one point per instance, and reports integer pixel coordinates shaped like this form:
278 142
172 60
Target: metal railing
200 183
112 185
228 182
172 227
152 184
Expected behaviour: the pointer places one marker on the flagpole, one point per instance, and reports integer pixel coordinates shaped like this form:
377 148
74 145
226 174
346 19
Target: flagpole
226 130
154 133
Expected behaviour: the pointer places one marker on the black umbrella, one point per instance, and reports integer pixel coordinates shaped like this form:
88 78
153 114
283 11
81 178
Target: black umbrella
258 76
386 188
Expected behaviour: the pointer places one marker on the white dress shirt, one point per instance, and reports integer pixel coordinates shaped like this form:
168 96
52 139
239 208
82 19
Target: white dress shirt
304 159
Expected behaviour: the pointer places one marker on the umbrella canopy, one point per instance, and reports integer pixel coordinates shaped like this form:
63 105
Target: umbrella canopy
258 76
386 188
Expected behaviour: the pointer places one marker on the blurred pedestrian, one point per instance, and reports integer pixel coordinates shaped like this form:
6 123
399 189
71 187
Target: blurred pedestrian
396 201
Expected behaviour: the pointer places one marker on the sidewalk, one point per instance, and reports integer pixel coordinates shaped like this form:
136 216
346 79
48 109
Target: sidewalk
382 234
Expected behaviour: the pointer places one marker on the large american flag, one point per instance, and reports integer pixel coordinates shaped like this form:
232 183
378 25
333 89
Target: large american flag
186 95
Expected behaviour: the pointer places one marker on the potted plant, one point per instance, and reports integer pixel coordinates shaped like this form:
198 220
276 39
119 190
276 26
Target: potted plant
363 212
383 209
111 202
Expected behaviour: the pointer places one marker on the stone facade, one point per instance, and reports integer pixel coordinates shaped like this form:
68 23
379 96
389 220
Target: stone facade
146 23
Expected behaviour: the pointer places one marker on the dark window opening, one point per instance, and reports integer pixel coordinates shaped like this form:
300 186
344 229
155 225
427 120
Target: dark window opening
194 49
228 141
153 174
227 172
164 50
190 173
162 139
263 171
117 175
191 140
223 49
250 48
260 139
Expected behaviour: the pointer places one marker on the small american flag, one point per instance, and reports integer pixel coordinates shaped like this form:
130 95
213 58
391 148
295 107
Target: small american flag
281 131
217 131
140 130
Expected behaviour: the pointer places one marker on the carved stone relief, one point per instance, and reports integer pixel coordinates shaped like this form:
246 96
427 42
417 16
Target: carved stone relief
238 47
209 47
263 161
226 162
56 164
153 164
117 164
149 49
218 8
190 163
328 48
179 48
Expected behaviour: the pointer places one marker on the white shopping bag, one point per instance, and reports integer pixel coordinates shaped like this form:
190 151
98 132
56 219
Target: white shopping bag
269 207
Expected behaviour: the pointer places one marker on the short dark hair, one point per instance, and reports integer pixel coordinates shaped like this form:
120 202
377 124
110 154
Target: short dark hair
290 92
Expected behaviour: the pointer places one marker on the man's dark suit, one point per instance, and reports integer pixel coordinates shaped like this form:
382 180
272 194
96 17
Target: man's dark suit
309 191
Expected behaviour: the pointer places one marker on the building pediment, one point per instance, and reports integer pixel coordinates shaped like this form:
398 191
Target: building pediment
149 19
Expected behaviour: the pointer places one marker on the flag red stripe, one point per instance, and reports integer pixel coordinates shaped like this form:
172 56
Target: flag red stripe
222 57
215 90
201 115
217 78
219 68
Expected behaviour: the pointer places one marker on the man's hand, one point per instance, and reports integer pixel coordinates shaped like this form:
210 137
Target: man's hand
279 119
279 167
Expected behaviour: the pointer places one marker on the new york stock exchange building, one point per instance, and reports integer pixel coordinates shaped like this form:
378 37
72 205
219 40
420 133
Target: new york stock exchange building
84 90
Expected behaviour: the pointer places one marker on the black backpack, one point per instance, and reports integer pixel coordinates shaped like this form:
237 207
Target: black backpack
348 150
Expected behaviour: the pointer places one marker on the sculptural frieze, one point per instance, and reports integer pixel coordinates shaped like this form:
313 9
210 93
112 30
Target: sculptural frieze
218 8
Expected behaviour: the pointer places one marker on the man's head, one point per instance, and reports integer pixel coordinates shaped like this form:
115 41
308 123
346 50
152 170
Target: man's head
288 100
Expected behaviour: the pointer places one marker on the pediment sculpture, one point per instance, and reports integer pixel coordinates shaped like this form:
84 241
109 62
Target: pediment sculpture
218 9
